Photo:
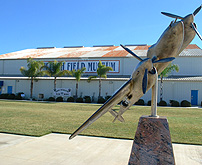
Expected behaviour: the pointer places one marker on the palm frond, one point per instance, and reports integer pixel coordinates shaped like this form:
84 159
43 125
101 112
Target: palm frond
171 67
102 69
90 78
62 73
78 73
34 68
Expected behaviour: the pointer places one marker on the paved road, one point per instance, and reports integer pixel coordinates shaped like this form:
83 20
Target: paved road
82 150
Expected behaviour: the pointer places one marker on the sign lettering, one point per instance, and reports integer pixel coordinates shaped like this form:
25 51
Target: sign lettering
64 92
90 65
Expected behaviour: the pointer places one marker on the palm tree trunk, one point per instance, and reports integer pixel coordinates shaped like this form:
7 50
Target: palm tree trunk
31 87
100 84
161 89
55 83
77 86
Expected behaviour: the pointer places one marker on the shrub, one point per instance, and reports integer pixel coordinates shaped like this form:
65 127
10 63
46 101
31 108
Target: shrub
70 99
87 99
101 100
174 103
185 103
79 100
149 103
140 102
162 103
11 96
18 96
59 99
4 96
107 97
51 99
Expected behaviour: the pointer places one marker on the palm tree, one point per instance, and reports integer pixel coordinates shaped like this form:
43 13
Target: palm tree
102 73
33 71
165 73
54 70
77 74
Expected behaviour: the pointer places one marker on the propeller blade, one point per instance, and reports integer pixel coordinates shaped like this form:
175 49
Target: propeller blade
164 60
129 51
144 82
172 15
197 10
192 25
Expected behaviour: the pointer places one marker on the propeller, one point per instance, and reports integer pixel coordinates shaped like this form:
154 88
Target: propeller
129 51
172 15
144 82
153 71
163 60
197 10
192 25
179 17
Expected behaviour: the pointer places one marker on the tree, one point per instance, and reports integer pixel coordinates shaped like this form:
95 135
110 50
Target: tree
33 71
77 74
165 73
102 73
54 70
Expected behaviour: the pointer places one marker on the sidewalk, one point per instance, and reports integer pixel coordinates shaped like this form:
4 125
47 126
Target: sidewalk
82 150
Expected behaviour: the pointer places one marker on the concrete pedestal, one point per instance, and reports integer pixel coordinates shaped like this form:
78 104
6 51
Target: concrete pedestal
152 144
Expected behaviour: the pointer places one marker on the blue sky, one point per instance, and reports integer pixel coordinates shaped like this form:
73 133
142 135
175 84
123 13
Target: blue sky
28 24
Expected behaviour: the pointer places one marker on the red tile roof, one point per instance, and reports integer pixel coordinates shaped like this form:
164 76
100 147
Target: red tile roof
116 53
192 46
142 47
111 51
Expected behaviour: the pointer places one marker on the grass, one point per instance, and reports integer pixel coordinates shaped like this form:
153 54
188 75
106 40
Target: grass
37 119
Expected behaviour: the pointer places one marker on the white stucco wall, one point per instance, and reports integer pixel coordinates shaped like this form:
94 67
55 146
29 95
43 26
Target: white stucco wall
172 90
188 66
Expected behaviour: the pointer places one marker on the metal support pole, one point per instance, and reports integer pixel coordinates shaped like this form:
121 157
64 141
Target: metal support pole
154 98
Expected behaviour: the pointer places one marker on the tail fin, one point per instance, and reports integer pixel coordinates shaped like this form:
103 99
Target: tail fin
117 116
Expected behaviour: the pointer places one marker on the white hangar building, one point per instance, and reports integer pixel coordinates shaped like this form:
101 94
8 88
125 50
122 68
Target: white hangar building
183 85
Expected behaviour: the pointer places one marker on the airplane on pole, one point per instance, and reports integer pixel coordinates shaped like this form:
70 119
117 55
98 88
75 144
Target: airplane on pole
177 36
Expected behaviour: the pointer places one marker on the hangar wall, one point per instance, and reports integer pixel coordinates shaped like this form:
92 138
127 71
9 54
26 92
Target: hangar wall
172 90
126 66
188 66
189 62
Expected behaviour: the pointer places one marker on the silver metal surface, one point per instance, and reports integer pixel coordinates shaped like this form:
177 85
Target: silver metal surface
154 98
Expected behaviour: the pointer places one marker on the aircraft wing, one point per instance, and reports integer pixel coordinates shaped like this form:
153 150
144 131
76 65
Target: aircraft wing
111 102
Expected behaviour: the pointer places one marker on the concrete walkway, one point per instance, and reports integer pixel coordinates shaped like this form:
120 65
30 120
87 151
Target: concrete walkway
82 150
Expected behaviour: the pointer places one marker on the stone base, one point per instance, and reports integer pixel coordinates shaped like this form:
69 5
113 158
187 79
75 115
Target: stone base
152 144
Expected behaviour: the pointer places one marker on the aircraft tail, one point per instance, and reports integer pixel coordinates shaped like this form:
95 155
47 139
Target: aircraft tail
117 116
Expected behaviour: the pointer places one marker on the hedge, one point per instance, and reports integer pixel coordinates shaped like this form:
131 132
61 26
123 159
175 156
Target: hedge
70 99
162 103
185 103
140 102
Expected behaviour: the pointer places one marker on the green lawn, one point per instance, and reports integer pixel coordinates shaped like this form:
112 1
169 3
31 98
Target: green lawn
37 119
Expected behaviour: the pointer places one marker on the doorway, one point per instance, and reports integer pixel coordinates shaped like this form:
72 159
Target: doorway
10 89
194 97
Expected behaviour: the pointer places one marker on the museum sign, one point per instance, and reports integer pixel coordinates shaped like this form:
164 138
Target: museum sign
90 65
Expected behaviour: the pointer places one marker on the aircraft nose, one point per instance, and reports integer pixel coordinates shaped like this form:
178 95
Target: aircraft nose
189 18
148 63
